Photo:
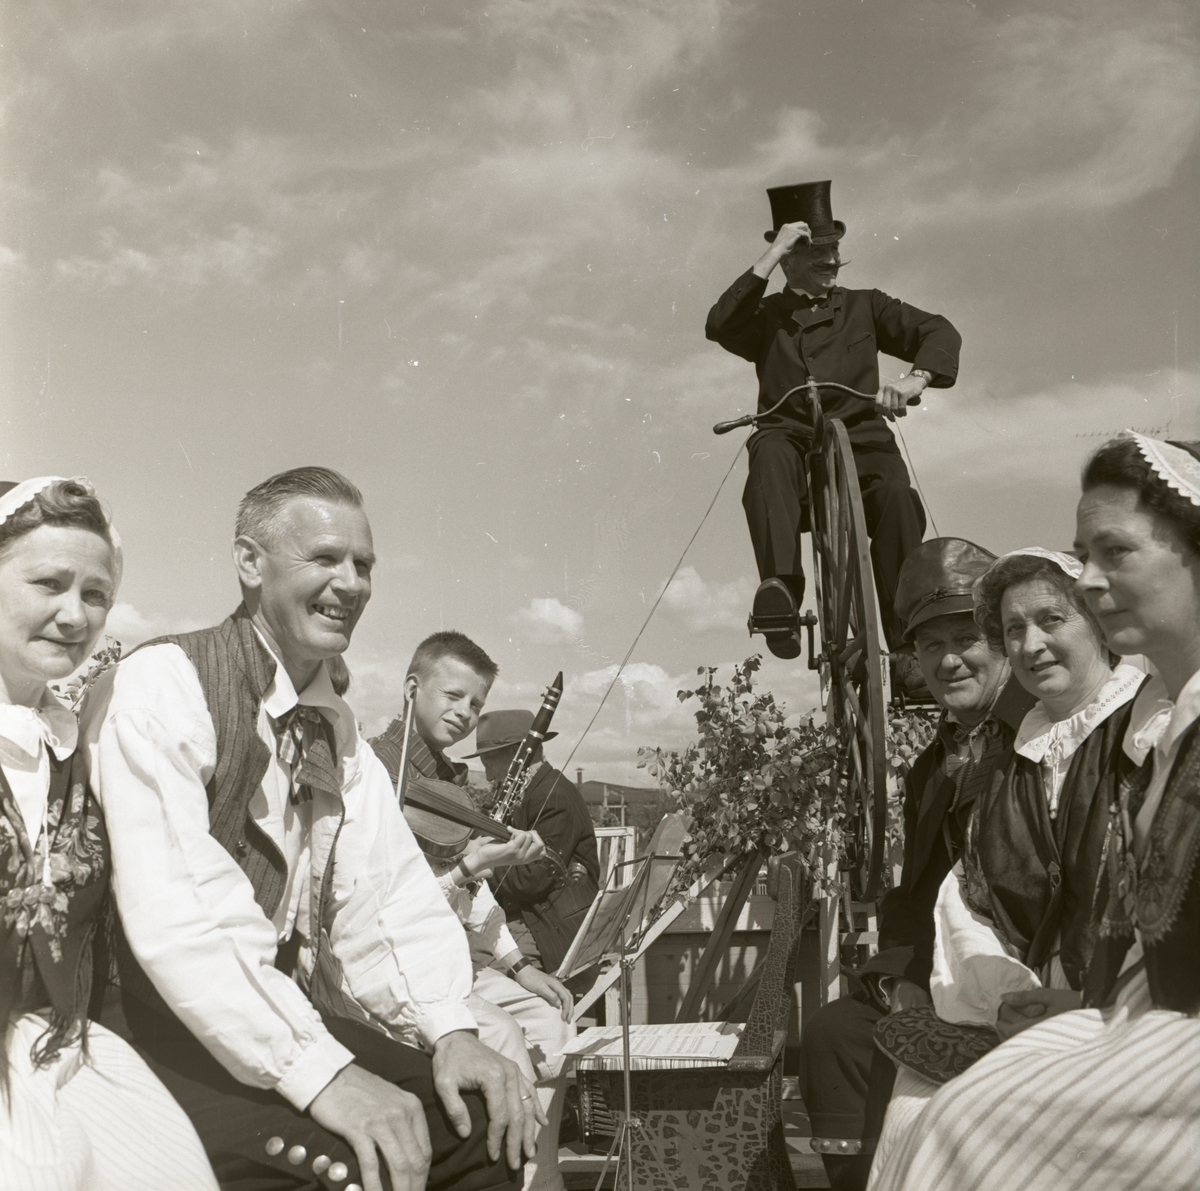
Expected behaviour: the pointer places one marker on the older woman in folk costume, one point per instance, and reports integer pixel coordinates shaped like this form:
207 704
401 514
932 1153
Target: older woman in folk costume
1109 1095
80 1109
1014 913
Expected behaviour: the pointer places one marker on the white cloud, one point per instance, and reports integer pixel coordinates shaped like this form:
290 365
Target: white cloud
548 622
131 626
1094 128
707 607
238 256
1004 470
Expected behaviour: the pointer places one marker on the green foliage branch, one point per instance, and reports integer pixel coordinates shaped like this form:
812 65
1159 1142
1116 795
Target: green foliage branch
753 781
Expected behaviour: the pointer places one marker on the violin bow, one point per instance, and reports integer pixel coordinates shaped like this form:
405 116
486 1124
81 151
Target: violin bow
401 778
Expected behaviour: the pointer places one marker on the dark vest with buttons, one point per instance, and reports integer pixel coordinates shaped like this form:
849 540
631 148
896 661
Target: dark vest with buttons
235 669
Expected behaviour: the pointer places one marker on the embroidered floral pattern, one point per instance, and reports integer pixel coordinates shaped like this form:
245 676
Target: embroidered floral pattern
70 853
937 1050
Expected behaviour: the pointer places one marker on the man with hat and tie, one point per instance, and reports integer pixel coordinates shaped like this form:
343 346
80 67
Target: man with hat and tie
814 327
844 1080
552 896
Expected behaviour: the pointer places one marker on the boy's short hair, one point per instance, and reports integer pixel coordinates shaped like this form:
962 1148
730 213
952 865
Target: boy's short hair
451 644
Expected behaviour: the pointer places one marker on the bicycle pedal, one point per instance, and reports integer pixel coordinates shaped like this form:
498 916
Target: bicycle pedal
774 623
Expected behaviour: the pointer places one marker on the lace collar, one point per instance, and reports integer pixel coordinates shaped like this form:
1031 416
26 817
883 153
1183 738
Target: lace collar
1041 739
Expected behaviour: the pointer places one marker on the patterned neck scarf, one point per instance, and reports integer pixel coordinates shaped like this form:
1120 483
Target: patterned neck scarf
303 745
968 760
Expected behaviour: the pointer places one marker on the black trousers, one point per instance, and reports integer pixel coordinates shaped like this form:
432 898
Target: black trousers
240 1126
845 1082
776 503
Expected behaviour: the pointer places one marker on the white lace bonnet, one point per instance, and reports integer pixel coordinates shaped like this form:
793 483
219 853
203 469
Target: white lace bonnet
1067 563
1177 468
21 494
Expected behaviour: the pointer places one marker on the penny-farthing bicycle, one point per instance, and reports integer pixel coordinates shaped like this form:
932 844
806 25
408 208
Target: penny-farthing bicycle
851 663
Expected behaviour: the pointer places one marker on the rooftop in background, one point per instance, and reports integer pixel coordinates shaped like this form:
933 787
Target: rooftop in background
594 794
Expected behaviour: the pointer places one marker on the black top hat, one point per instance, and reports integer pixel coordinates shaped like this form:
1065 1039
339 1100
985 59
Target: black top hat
936 580
807 201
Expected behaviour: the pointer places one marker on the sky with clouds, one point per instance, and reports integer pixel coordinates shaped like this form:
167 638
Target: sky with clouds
463 252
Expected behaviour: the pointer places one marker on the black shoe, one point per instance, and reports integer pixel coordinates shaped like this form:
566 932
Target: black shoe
776 615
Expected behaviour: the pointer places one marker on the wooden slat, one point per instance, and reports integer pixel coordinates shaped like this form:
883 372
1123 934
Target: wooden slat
705 973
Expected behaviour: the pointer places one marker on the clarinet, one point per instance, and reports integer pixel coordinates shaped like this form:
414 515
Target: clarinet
517 779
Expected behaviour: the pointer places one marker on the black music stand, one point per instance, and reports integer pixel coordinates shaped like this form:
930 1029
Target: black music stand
614 930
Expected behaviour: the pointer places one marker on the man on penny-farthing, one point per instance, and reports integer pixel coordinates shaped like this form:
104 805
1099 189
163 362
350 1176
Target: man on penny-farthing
815 328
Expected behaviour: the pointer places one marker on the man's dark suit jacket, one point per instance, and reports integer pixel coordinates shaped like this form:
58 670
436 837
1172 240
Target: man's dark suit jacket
839 341
906 912
552 905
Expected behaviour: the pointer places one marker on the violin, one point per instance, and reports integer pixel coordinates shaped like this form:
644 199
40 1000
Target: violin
443 817
440 814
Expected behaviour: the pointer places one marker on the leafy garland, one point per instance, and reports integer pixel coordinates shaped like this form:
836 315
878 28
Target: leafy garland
754 781
104 658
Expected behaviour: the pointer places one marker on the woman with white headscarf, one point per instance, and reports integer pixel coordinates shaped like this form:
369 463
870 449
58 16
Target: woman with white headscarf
78 1108
1014 914
1109 1095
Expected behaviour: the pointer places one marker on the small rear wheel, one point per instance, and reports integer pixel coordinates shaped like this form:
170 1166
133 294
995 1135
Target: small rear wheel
852 664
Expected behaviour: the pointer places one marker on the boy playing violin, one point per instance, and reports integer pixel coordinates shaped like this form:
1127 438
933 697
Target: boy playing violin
525 1014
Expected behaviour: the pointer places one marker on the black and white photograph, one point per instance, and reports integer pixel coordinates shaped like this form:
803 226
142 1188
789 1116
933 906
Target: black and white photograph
599 594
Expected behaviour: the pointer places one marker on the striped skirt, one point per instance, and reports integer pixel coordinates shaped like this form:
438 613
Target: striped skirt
104 1124
1094 1099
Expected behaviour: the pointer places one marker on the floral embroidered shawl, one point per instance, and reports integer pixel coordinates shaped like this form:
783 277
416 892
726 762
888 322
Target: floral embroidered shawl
46 930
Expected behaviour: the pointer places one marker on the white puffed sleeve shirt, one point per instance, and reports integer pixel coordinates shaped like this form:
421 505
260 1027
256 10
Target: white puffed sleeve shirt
189 912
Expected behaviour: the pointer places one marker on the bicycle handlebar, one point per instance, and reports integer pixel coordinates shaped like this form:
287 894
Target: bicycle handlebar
752 419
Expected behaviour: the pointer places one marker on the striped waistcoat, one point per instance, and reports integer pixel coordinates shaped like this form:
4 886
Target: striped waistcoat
235 670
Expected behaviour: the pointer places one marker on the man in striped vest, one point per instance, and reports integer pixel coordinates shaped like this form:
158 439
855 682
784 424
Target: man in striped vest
288 965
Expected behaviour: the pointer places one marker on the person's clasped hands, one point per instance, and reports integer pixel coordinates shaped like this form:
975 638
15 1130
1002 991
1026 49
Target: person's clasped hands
1020 1010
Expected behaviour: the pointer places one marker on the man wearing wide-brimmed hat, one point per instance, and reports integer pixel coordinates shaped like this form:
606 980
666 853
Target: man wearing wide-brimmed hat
549 898
844 1079
814 327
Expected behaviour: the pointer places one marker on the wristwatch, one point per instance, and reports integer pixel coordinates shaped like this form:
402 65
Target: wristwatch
927 377
523 962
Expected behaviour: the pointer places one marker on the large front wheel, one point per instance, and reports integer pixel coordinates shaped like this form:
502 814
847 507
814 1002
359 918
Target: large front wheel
852 665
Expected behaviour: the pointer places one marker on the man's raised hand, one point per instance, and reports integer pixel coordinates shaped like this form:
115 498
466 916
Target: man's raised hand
374 1115
791 234
786 239
461 1063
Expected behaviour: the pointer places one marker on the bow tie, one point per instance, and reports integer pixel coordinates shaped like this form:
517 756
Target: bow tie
302 744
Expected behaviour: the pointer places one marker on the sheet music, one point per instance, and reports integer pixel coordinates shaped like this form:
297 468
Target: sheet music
683 1044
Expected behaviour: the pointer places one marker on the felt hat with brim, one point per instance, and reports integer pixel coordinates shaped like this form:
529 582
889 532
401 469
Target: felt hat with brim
502 729
936 580
807 202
